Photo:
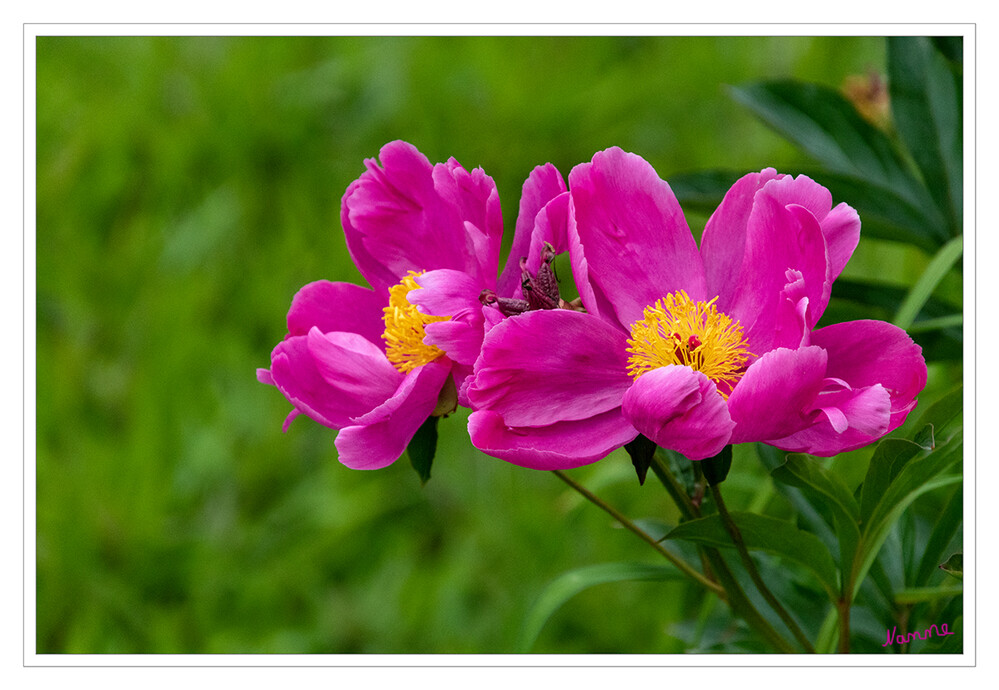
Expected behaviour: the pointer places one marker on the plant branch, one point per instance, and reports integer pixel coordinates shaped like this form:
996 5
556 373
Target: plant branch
740 546
682 565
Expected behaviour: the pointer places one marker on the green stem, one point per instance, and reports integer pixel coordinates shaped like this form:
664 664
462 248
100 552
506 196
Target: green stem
734 594
673 488
740 546
843 607
682 565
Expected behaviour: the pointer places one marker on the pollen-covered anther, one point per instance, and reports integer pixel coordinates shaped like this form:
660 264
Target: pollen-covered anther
678 330
405 328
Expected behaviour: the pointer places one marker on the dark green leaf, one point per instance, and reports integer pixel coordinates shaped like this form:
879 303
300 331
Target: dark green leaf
716 468
885 211
926 105
827 126
952 643
763 533
946 526
702 191
807 474
952 47
641 451
423 447
945 415
915 478
954 566
888 460
571 583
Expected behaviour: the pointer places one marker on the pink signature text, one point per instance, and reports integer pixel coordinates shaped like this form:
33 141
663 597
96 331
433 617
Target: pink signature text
891 637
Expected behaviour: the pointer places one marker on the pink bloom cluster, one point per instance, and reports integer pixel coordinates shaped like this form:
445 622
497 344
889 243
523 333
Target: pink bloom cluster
693 347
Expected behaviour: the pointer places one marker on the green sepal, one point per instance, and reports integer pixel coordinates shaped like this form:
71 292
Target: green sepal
641 451
716 468
423 447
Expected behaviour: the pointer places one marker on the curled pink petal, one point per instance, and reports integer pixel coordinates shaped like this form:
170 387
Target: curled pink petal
379 437
865 353
679 409
558 446
331 402
846 420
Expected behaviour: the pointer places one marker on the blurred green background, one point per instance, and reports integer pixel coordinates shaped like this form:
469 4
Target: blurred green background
187 187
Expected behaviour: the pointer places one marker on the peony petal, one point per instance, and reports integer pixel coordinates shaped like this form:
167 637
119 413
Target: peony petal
295 372
724 239
395 220
475 196
559 446
337 307
627 224
847 420
542 185
543 367
446 292
775 396
679 409
379 438
779 238
842 232
354 367
865 353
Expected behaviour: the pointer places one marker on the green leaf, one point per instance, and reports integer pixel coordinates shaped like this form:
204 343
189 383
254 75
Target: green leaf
423 447
827 127
952 643
915 595
941 264
943 415
926 106
641 451
889 458
886 212
764 533
704 190
802 472
571 583
954 566
916 478
946 526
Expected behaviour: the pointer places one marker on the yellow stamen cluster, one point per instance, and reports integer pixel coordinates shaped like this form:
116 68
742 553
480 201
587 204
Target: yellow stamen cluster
678 330
404 328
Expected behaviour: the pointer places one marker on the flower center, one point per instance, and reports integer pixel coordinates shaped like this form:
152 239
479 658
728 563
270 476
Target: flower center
404 328
678 330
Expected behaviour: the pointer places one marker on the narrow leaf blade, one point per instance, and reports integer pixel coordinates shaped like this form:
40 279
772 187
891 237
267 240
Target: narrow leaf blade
571 583
764 533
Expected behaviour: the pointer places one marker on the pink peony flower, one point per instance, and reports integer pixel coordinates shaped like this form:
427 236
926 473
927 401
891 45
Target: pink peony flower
370 362
694 348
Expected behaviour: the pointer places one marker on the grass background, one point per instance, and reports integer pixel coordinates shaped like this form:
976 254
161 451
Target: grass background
187 187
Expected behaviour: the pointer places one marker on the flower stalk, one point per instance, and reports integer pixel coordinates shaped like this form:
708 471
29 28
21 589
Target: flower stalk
681 565
754 574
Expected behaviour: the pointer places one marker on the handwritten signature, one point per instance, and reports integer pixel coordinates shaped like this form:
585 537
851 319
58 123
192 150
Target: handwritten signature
891 636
